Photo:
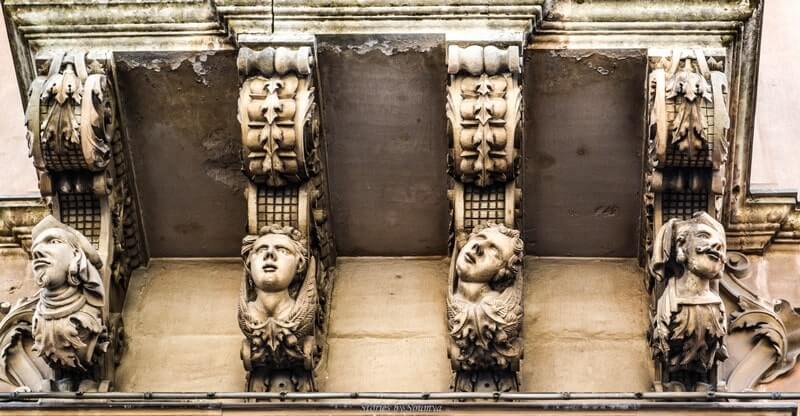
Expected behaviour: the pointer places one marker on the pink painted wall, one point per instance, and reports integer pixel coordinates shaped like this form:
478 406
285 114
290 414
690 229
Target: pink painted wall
776 143
17 175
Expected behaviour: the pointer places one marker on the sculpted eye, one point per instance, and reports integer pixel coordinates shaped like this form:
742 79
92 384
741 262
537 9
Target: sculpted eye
283 250
703 234
56 241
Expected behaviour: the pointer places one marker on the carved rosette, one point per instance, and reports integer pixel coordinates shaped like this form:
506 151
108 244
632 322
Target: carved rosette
80 155
283 159
484 113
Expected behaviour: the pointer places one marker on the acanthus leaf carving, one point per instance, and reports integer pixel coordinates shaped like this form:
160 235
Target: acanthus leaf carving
484 108
484 311
284 327
80 153
275 107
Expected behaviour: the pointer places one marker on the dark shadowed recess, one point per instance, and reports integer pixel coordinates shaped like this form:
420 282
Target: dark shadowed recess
384 124
180 113
583 152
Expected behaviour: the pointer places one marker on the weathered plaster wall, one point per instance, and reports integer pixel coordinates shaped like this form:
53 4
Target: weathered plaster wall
384 124
584 327
583 152
180 115
181 330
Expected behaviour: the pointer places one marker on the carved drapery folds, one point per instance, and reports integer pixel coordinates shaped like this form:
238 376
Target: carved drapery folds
78 150
288 234
687 150
689 325
686 170
484 298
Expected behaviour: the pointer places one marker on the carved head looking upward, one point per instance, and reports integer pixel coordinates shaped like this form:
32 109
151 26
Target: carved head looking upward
492 254
274 258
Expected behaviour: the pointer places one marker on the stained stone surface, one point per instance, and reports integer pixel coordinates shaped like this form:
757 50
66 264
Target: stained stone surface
383 101
16 278
388 329
584 327
181 327
582 173
180 114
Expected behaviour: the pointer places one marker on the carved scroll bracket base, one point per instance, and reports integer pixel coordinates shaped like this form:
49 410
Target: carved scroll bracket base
485 381
290 380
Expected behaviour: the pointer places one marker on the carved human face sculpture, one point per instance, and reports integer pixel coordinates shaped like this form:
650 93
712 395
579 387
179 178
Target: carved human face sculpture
704 250
52 256
273 262
484 255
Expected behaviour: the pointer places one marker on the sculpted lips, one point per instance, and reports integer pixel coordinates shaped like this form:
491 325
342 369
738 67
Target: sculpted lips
40 263
711 252
470 258
269 267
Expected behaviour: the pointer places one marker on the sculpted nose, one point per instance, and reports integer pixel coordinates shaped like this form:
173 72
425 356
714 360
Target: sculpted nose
269 253
717 245
37 252
477 249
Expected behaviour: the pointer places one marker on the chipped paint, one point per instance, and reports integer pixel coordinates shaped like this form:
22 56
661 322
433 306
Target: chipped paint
172 63
386 45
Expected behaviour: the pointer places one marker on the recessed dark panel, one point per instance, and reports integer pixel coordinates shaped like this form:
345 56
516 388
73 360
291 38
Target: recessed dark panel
384 125
583 152
180 111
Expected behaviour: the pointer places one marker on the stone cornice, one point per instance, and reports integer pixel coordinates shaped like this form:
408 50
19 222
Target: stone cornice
216 24
17 218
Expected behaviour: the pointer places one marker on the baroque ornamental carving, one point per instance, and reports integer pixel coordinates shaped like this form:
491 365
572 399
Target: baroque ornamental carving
686 172
484 298
289 253
277 310
689 327
484 108
69 331
82 255
276 107
484 310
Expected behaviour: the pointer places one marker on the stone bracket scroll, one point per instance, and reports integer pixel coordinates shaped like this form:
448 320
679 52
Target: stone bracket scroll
484 113
688 149
79 151
284 160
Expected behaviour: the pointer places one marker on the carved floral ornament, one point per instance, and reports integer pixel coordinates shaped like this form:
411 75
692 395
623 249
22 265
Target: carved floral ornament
484 310
484 107
289 256
71 116
276 110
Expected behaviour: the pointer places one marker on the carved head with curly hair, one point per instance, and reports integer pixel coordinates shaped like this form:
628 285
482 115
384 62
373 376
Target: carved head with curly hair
274 258
493 254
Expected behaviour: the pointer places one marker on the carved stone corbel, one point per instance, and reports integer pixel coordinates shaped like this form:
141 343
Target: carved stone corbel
288 233
686 172
484 113
79 153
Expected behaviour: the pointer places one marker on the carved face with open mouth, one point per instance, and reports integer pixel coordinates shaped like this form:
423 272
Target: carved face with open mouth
52 256
484 255
274 262
705 251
